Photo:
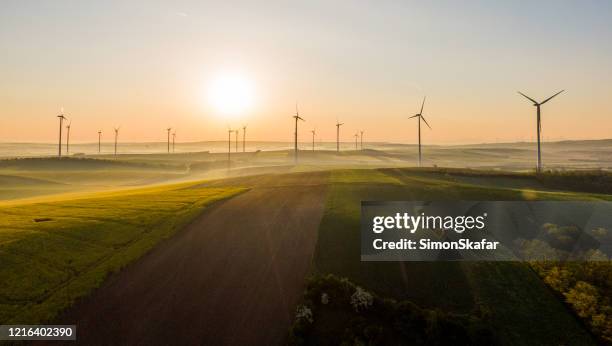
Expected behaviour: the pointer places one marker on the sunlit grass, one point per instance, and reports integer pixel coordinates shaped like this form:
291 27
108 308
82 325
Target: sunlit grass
76 243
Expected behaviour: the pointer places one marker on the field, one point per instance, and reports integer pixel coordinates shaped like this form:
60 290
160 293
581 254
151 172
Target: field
30 170
69 225
53 253
508 292
586 154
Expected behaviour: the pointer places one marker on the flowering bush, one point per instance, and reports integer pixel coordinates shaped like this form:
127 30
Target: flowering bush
586 287
324 299
354 316
304 314
361 299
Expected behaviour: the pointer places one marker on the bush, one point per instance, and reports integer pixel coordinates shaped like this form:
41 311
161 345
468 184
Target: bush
352 315
596 181
586 288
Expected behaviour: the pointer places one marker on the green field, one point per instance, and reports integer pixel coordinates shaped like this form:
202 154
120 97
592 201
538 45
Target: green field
52 253
510 294
65 225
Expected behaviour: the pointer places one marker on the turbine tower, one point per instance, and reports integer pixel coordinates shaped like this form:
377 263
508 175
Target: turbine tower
356 137
229 145
420 117
173 139
99 139
61 119
116 135
236 138
295 137
68 138
361 139
313 138
338 135
244 138
539 124
168 130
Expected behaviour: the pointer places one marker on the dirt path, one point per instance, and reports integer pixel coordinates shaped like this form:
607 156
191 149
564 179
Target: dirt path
234 276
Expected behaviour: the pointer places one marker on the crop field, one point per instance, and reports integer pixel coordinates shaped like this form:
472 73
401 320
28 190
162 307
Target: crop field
67 225
53 253
510 294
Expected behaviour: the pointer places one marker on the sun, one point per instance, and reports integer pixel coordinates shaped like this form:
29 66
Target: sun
231 93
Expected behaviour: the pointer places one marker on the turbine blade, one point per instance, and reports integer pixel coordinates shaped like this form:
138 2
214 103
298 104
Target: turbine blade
422 117
422 105
414 116
529 98
550 98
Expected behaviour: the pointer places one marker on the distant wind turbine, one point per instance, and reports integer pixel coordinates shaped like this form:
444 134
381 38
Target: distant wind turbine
61 119
420 117
244 138
313 138
173 139
68 137
99 140
539 123
236 138
116 135
168 130
295 144
338 135
361 139
356 137
229 145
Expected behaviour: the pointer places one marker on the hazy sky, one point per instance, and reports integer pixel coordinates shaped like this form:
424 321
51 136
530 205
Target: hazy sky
146 65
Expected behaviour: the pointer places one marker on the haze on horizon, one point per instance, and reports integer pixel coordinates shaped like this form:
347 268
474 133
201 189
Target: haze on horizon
148 65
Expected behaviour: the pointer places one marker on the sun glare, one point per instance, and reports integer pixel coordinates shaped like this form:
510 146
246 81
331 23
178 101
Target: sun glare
231 93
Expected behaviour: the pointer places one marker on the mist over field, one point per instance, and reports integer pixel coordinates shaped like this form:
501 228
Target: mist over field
579 154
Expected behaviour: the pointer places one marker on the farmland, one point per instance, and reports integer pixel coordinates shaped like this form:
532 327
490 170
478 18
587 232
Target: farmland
69 226
55 252
507 293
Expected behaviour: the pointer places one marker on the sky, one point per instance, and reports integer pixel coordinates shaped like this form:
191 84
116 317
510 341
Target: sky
150 65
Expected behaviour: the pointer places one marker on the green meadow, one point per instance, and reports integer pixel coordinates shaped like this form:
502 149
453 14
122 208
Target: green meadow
509 294
54 252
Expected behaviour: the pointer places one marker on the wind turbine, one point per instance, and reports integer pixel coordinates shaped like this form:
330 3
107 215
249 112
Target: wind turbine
61 119
173 139
244 138
116 135
229 146
539 123
420 117
356 137
338 135
361 139
68 138
99 139
313 138
295 145
168 130
236 138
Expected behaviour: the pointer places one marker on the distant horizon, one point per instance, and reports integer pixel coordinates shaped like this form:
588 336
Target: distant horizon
307 142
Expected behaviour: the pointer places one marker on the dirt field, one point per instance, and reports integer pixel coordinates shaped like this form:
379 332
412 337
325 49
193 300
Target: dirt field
233 276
